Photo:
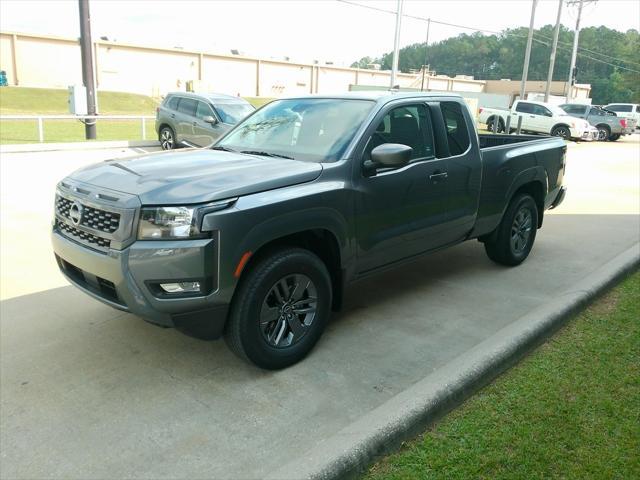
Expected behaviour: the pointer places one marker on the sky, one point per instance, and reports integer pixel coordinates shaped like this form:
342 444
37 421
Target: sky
303 30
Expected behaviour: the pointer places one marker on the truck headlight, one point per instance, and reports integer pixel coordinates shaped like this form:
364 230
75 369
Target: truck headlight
167 223
171 222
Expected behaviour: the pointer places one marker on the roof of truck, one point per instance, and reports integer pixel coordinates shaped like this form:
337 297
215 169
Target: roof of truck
379 95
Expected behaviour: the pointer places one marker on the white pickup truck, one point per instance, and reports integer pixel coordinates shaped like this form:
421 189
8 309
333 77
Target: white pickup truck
539 117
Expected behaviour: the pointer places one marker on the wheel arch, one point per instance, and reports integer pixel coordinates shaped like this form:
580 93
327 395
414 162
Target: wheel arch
320 241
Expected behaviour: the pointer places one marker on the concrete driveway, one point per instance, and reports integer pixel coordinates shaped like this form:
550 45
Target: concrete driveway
90 392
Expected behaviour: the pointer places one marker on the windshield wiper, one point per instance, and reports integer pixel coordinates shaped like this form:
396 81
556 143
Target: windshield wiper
266 154
224 149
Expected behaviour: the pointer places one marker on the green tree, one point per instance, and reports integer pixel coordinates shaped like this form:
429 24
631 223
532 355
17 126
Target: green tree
609 60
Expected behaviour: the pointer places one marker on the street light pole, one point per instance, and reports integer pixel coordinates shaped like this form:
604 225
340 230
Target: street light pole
527 54
574 53
426 47
396 44
86 53
552 58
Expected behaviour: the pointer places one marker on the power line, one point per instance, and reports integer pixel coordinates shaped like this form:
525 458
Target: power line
415 17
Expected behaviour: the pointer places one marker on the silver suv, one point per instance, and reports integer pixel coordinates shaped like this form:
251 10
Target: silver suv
197 120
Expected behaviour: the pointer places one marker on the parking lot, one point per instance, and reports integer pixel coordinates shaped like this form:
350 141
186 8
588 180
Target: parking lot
91 392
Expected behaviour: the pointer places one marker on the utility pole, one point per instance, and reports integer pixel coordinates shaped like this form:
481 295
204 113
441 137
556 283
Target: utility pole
527 54
396 44
86 53
552 58
426 47
574 53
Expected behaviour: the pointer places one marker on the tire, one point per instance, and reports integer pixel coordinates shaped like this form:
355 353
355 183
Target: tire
604 133
167 138
270 330
614 137
561 131
500 125
520 222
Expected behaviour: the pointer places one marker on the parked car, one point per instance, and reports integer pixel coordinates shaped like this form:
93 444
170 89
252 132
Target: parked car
197 120
539 117
257 238
609 125
626 110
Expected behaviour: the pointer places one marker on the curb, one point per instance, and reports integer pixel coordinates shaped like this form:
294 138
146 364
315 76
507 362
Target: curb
354 448
52 147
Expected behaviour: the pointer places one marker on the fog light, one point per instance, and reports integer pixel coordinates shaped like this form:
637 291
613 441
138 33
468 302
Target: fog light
181 287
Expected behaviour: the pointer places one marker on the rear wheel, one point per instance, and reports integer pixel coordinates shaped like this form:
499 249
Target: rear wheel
281 309
561 131
514 237
500 125
167 138
603 133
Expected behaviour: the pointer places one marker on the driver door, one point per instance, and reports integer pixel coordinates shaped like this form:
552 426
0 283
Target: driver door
398 209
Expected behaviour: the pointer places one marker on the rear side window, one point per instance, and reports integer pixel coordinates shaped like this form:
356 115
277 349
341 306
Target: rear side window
188 106
638 108
456 125
172 102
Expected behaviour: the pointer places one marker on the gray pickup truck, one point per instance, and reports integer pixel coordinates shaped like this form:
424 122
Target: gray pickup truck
257 238
609 125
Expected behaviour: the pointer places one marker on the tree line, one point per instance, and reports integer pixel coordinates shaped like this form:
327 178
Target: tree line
609 60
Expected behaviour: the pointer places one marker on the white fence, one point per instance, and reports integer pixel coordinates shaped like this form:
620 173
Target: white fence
82 118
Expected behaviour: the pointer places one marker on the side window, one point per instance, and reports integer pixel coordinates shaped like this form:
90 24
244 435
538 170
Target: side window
456 125
172 102
407 125
637 108
187 106
597 112
524 107
542 111
203 110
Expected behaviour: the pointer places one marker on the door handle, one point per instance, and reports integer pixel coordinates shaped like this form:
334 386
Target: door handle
532 116
434 177
195 124
173 115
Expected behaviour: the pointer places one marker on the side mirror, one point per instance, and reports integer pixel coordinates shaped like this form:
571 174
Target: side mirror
209 119
391 155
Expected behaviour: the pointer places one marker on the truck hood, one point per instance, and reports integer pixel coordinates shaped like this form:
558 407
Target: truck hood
195 176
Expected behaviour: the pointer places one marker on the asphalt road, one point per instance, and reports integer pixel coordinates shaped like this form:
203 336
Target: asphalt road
90 392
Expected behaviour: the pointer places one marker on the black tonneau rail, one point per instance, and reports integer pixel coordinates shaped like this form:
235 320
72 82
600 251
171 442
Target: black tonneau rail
488 140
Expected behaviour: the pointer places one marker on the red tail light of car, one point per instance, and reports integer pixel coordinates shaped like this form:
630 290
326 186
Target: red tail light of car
623 123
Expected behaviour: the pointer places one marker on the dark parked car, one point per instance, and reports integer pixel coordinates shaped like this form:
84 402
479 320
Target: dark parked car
609 125
197 120
257 238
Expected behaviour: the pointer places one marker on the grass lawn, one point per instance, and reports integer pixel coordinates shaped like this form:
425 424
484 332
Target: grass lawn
569 410
32 101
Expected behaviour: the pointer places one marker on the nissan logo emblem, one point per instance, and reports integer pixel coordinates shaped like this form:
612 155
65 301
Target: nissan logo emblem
75 213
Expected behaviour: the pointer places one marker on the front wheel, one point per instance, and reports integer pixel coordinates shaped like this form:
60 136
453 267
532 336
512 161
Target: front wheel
513 240
561 131
280 309
167 138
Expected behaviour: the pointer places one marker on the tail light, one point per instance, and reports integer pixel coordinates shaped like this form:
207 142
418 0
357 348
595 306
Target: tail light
480 110
623 123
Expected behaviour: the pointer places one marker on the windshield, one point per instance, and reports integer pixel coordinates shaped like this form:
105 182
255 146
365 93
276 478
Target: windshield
233 112
312 129
557 110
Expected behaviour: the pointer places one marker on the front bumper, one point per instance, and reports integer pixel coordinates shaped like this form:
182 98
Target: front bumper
127 280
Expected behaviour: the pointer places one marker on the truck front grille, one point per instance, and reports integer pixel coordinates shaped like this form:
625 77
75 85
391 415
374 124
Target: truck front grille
81 236
100 220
